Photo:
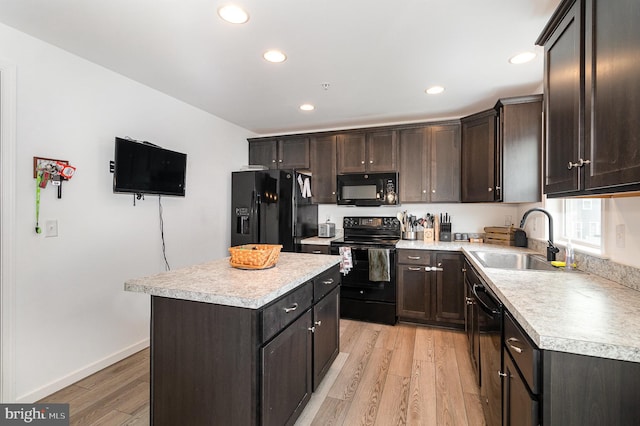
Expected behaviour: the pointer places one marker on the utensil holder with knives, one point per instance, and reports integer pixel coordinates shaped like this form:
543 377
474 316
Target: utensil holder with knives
445 231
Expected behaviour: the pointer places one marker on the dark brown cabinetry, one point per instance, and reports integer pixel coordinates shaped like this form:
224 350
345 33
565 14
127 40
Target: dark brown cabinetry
480 161
323 168
238 365
430 163
592 106
315 249
286 153
501 152
375 151
430 287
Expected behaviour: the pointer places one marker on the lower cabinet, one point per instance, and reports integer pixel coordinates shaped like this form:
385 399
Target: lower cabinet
229 365
286 373
431 287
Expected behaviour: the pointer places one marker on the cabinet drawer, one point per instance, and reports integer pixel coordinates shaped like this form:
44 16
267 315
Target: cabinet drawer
315 249
414 257
523 351
324 283
284 311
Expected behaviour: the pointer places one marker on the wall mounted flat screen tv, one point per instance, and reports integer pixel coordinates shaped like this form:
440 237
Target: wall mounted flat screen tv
144 168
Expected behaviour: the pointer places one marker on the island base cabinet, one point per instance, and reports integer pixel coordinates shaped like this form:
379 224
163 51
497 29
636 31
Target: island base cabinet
201 366
326 335
286 380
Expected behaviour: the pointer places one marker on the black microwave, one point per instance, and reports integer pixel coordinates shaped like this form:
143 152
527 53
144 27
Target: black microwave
367 189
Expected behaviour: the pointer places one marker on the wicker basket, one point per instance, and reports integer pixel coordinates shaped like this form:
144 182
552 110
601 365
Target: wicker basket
254 256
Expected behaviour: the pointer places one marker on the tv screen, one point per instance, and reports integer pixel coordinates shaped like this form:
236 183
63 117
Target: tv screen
143 168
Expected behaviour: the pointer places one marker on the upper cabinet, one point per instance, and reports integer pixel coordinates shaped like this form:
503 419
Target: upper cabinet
323 168
592 98
430 163
286 153
375 151
501 152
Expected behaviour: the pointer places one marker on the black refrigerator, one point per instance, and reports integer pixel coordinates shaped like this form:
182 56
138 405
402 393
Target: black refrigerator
272 207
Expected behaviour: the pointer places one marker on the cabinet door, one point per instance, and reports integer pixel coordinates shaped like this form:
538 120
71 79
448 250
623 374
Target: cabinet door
444 164
450 288
415 298
287 373
326 335
518 407
293 153
351 153
479 158
264 152
612 86
414 175
382 151
563 104
521 148
323 169
471 329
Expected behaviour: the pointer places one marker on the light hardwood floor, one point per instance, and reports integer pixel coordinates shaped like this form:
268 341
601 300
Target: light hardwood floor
384 375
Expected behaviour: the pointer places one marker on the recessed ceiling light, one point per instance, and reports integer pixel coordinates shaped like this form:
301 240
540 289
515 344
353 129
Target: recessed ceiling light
434 90
522 58
307 107
233 14
274 56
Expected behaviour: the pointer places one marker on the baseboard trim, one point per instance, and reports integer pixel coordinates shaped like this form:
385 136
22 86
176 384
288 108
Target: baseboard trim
81 373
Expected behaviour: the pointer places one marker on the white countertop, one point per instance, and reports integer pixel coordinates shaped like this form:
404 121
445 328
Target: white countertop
565 311
217 282
322 241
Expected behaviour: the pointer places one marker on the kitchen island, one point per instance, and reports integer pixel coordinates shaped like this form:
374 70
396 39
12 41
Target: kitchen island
241 347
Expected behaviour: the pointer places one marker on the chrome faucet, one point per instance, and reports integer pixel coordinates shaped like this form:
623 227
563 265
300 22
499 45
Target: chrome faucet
551 249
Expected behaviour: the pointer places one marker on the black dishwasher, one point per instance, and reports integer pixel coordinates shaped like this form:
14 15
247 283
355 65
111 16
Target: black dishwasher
484 328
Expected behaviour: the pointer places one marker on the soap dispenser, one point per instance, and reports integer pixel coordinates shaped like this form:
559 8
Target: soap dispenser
569 257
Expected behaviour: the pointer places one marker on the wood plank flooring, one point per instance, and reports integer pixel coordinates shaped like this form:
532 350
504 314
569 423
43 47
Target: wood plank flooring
384 375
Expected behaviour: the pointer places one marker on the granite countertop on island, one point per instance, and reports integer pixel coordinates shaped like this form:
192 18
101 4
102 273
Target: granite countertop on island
217 282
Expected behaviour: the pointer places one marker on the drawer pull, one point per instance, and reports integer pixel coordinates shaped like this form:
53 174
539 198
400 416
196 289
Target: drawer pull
414 257
316 252
291 309
318 323
501 374
411 268
312 329
515 348
328 282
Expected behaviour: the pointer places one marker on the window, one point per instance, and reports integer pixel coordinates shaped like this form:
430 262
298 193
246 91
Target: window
582 221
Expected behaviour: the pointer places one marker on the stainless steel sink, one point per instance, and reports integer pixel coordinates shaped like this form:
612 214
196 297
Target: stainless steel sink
520 261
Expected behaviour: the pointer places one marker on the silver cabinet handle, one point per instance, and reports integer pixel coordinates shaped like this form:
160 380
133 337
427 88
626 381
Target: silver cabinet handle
468 300
279 161
439 263
316 252
515 348
370 161
411 268
273 161
433 191
317 323
424 191
312 329
328 282
580 163
362 162
501 374
291 309
428 269
414 257
361 291
490 189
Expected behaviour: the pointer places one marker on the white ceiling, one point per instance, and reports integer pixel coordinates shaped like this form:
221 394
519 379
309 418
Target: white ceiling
377 55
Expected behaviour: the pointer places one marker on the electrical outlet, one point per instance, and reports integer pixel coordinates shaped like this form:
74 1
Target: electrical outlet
620 231
507 220
51 228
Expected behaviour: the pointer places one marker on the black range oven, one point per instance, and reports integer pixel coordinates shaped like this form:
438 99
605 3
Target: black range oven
365 293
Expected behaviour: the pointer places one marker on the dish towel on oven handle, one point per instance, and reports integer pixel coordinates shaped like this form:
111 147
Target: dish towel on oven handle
347 261
379 265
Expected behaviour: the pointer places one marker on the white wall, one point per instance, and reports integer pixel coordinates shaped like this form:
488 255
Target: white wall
465 217
72 315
